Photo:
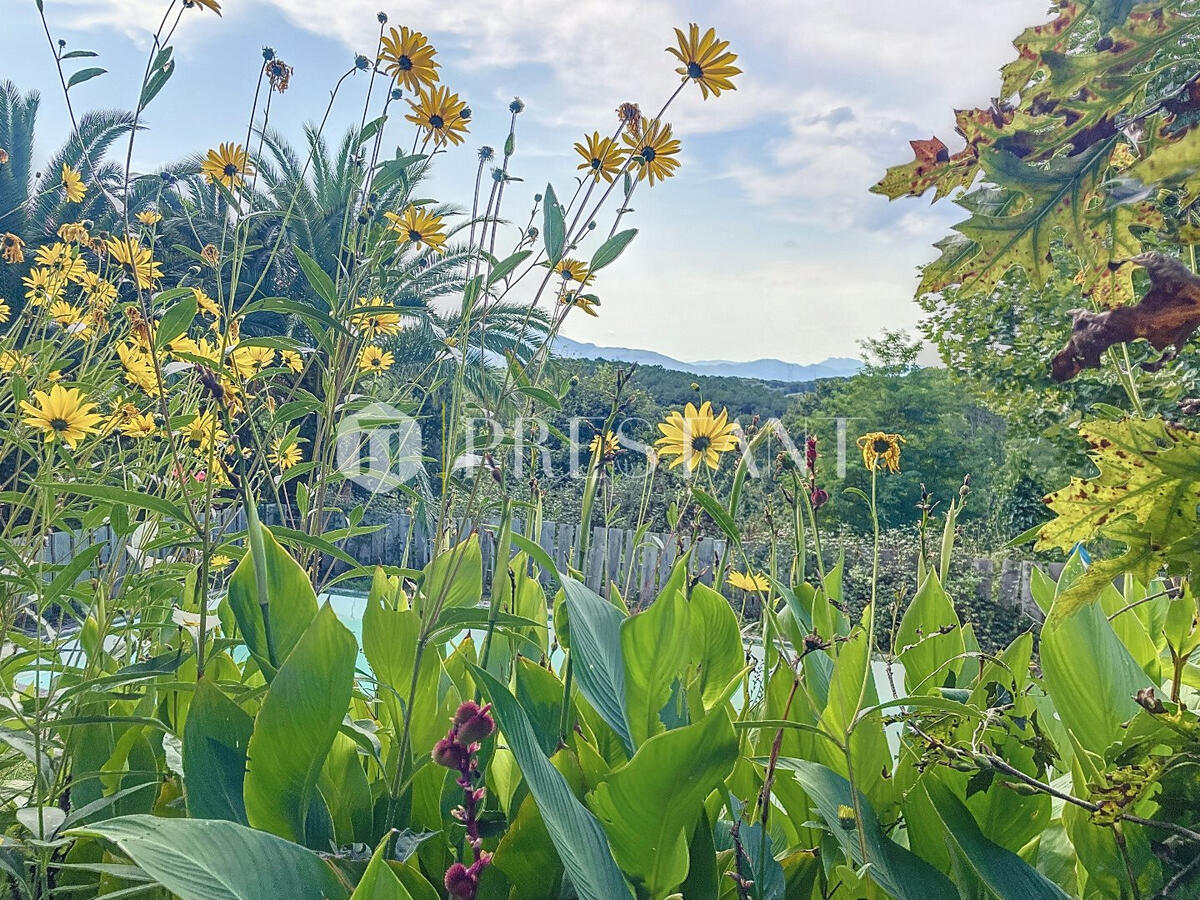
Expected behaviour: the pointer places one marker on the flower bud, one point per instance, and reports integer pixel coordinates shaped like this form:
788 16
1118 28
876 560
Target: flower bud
460 882
472 723
450 753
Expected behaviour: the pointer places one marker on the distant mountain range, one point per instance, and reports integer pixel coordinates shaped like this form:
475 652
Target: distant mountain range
764 369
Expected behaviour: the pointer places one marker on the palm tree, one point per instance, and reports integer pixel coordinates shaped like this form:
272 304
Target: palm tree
32 203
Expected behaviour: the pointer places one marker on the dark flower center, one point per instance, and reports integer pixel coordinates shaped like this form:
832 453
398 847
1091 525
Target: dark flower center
436 121
648 154
230 169
60 424
694 70
701 443
404 64
881 446
595 162
414 235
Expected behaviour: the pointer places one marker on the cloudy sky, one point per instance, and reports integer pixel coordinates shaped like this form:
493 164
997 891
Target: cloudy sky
766 243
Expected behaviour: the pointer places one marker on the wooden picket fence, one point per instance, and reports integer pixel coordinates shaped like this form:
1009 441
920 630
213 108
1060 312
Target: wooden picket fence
615 558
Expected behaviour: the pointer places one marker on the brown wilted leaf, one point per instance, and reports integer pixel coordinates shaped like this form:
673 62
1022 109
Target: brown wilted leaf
1166 316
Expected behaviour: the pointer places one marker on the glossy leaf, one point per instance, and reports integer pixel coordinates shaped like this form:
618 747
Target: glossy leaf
296 726
203 859
578 837
596 655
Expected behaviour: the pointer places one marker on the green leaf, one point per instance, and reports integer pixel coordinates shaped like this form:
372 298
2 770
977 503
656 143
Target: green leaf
1005 874
541 394
215 738
379 882
930 638
896 870
654 649
176 319
596 655
554 226
715 648
1089 675
78 54
608 252
578 837
651 804
160 73
454 577
291 603
506 265
718 513
1145 496
84 75
204 859
296 726
123 497
317 278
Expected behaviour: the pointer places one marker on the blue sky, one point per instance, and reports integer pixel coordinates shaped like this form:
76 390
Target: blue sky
766 243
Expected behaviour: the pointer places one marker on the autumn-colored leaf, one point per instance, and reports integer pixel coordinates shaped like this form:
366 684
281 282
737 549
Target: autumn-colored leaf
1166 316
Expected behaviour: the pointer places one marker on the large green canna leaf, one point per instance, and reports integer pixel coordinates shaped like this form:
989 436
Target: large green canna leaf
215 739
577 836
296 726
596 655
654 651
205 859
454 577
930 639
896 870
715 652
1090 676
379 882
292 603
1006 875
651 804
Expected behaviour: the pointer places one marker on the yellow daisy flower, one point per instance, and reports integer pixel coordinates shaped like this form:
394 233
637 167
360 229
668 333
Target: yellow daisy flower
292 360
42 287
206 304
748 581
140 425
149 217
375 359
439 113
99 291
409 58
62 259
602 156
705 60
12 249
5 311
65 314
73 185
204 432
229 165
220 561
249 361
372 324
62 414
139 367
879 447
284 456
585 302
416 225
697 435
573 270
653 150
605 445
14 361
138 259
